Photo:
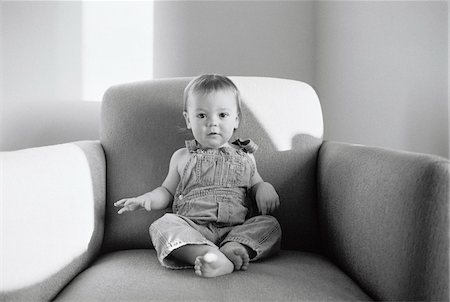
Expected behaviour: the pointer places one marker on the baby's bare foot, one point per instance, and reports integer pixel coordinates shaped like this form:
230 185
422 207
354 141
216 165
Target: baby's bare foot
212 265
237 253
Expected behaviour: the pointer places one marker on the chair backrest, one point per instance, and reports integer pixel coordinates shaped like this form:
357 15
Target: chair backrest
142 125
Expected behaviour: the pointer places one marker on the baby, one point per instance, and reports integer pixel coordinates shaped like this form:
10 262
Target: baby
207 184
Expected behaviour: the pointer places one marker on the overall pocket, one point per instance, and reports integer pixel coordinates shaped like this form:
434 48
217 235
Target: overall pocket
200 209
235 172
231 211
205 170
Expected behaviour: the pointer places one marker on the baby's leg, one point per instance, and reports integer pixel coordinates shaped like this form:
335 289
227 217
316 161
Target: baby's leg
171 232
208 261
259 236
238 254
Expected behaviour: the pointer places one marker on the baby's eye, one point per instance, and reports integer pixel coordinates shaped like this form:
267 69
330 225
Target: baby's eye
223 114
201 115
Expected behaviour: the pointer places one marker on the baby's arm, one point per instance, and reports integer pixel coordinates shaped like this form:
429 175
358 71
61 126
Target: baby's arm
263 192
159 198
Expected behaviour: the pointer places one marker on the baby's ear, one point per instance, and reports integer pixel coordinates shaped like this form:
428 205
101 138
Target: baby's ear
186 118
236 125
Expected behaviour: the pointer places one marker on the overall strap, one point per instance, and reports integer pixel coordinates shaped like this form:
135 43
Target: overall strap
192 145
247 146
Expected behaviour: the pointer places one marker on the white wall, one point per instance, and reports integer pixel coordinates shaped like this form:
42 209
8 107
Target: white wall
382 73
1 80
380 68
57 60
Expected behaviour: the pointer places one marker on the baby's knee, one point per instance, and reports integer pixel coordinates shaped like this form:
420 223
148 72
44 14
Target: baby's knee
164 221
168 217
267 220
271 225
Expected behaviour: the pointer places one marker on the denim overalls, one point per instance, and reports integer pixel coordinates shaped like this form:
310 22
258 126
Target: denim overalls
210 206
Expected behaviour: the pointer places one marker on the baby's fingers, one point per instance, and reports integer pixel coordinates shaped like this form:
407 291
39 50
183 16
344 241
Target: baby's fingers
277 203
124 209
270 208
273 205
120 202
262 208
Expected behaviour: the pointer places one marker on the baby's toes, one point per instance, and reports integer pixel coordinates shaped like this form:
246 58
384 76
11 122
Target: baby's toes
245 264
243 257
237 262
198 266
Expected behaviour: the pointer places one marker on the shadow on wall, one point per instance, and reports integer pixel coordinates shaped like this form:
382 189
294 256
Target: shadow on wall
49 122
255 38
428 123
42 86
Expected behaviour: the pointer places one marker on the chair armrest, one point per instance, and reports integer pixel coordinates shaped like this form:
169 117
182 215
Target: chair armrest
52 214
384 219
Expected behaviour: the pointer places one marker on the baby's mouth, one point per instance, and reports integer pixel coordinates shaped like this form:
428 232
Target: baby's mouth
213 133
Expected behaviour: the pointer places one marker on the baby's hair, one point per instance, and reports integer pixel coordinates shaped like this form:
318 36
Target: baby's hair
207 83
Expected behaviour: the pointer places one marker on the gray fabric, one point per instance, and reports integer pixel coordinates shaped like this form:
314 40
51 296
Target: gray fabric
384 219
95 156
383 216
136 275
142 126
47 289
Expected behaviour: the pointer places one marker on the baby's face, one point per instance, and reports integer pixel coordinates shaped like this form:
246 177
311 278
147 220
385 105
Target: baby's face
212 118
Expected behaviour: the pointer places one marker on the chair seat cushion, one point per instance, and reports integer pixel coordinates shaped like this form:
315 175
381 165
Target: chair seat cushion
136 275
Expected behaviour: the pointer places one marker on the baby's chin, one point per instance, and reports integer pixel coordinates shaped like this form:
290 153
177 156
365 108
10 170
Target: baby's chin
215 142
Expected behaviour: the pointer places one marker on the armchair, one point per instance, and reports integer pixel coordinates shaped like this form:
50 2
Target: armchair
358 222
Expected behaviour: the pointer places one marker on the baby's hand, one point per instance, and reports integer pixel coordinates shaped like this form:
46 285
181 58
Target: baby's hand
128 204
266 198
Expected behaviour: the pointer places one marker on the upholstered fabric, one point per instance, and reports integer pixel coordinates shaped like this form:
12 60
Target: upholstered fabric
136 275
52 217
142 125
384 218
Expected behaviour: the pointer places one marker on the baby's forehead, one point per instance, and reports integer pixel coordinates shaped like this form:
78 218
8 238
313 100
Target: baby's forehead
212 93
224 98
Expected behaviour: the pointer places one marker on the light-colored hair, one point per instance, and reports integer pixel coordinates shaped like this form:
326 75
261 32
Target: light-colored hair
208 83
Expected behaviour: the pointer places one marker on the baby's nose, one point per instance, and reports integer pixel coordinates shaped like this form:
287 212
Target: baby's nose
212 121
